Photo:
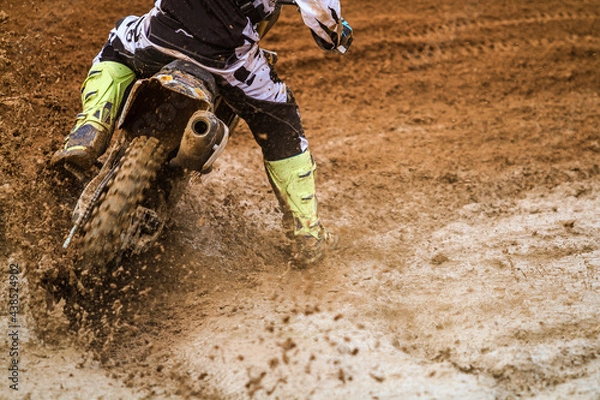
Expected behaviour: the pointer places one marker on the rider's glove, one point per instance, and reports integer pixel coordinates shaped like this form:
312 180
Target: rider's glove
339 41
346 38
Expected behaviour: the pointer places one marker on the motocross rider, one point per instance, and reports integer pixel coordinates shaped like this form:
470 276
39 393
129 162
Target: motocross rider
222 36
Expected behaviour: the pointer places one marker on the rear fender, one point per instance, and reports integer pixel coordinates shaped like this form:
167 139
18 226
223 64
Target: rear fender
160 106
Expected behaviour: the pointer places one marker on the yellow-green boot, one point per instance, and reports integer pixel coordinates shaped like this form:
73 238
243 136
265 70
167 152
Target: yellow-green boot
293 180
101 94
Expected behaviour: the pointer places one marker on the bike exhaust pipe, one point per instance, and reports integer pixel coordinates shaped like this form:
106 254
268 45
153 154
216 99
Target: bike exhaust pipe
203 140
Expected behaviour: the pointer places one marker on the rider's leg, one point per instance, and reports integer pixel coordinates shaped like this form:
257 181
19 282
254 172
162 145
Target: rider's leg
293 180
101 94
126 55
277 127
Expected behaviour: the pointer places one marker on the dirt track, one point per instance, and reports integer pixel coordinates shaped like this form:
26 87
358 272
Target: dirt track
458 152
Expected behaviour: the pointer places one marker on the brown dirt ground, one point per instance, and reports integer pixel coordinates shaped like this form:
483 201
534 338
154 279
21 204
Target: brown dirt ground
458 152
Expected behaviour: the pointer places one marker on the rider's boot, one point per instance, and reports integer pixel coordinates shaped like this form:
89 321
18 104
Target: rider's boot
293 180
101 93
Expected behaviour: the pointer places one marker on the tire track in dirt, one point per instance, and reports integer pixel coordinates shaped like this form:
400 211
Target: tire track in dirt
453 27
464 24
421 54
438 43
431 44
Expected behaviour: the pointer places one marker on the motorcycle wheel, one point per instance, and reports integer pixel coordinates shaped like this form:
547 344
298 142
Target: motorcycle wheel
104 233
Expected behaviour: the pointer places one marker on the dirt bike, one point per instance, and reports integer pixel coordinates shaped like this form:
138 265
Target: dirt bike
171 124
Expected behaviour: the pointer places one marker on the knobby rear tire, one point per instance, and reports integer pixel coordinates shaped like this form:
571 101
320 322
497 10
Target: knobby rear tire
103 235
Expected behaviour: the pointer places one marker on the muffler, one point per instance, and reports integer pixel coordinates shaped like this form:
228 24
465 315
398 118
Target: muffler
203 140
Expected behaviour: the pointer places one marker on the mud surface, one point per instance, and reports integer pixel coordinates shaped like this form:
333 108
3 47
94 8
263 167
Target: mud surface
458 151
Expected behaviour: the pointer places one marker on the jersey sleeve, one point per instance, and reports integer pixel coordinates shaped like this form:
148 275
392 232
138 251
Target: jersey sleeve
324 19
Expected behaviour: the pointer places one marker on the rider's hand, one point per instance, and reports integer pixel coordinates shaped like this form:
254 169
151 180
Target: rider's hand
346 39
